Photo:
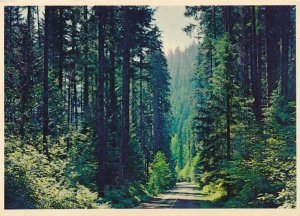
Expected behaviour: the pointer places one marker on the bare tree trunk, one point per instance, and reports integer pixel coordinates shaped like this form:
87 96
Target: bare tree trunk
26 74
38 27
271 51
74 70
256 85
284 31
61 49
142 141
124 150
244 51
156 132
86 73
101 137
228 27
45 85
112 94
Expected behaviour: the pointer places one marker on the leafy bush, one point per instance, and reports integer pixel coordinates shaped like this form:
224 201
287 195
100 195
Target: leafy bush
129 195
190 171
215 190
82 163
267 176
186 173
42 183
161 176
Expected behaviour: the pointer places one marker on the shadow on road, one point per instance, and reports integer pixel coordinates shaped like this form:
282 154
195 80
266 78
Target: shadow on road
184 195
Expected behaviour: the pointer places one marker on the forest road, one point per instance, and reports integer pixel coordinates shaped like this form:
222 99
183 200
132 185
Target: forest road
183 195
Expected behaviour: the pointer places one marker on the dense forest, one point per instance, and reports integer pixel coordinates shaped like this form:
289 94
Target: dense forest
182 66
86 107
244 118
97 116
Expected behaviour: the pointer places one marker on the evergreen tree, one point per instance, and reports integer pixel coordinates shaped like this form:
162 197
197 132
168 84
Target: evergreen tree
97 116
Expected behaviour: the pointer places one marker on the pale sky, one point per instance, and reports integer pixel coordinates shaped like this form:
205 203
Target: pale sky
171 20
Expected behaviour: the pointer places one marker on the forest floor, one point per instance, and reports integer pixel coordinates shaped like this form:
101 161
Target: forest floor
183 195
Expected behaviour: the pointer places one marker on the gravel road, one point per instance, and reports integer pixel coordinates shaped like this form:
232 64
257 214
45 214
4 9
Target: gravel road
184 195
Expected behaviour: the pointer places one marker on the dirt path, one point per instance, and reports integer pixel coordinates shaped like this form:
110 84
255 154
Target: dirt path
184 195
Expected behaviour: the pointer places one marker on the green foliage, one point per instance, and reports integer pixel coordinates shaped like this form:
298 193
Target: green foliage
185 173
215 190
82 164
280 120
190 171
161 177
261 171
128 195
42 183
62 116
182 65
266 178
215 120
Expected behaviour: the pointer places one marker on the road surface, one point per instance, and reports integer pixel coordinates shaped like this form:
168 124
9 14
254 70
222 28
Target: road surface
184 195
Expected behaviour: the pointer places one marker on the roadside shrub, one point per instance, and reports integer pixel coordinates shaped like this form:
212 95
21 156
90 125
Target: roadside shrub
161 177
215 190
42 183
190 171
129 195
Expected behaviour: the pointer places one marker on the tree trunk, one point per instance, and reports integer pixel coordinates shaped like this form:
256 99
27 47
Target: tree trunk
284 30
214 22
10 26
228 27
101 137
125 96
38 27
61 49
74 69
86 73
271 50
259 61
292 76
26 74
256 79
45 84
244 51
133 100
112 84
69 101
156 132
142 141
